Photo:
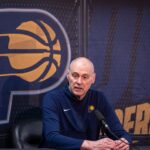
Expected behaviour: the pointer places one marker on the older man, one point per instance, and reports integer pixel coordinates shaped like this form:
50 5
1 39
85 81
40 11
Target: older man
69 121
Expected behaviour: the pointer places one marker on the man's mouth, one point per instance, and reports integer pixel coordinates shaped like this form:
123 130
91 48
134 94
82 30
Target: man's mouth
77 88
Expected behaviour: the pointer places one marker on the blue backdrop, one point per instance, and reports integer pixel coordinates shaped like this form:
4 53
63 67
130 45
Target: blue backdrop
119 41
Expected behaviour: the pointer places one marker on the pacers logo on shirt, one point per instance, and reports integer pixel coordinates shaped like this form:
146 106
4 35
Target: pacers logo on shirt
34 53
91 108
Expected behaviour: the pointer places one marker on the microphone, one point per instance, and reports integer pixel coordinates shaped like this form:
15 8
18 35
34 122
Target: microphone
101 118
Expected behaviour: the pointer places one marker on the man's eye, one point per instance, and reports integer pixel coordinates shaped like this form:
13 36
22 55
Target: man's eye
85 77
75 75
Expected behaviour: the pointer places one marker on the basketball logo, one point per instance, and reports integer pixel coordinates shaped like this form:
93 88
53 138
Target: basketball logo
34 51
35 54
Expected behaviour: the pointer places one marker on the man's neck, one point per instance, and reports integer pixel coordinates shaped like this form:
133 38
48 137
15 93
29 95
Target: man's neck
78 97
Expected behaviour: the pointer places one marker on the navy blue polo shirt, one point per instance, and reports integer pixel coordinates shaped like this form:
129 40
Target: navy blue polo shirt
67 121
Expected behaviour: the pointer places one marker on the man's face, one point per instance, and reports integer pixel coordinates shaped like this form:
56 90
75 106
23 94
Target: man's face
80 77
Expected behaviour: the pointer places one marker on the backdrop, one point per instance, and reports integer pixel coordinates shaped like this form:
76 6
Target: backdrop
119 41
38 39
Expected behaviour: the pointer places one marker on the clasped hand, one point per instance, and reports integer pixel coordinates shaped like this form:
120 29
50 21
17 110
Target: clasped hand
108 144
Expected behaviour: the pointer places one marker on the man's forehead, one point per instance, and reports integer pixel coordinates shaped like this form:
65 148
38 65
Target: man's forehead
78 72
81 66
80 62
81 72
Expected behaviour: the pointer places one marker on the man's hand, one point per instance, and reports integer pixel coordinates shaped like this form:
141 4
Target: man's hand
120 145
102 144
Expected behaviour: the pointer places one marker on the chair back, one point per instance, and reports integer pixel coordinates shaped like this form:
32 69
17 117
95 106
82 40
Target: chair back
27 133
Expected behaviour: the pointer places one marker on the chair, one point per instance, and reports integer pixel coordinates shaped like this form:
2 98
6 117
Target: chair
27 133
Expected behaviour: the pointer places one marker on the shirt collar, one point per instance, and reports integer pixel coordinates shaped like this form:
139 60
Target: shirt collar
72 96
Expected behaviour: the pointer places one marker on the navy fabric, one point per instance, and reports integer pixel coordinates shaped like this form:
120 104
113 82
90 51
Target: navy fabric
67 122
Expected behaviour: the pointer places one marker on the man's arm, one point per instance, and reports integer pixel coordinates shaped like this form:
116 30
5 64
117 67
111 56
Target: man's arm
51 128
124 139
116 127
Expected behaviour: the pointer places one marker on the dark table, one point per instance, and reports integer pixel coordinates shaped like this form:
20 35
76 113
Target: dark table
140 147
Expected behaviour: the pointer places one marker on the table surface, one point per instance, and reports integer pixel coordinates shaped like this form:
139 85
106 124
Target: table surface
133 148
140 147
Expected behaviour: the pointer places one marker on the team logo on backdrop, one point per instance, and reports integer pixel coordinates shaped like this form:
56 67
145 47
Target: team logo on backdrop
34 54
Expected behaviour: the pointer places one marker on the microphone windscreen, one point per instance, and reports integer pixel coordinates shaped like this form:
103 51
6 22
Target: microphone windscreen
99 115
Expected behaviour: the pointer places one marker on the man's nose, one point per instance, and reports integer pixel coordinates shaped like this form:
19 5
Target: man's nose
79 80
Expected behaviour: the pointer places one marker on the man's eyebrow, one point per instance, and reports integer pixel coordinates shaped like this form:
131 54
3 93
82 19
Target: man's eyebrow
75 72
85 74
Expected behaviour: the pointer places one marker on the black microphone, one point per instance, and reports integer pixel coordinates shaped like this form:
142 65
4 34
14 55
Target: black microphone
107 130
101 118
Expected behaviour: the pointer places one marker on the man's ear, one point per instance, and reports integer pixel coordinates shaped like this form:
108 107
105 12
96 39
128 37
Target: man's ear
94 78
67 74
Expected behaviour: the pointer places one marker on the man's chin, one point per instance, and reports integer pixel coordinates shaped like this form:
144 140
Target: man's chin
77 95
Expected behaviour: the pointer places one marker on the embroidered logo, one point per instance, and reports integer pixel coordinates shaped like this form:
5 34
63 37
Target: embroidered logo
91 108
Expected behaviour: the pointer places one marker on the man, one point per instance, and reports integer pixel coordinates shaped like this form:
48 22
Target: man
69 121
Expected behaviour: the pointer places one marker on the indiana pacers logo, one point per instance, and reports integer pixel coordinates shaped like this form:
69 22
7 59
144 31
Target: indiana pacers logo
34 51
34 54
